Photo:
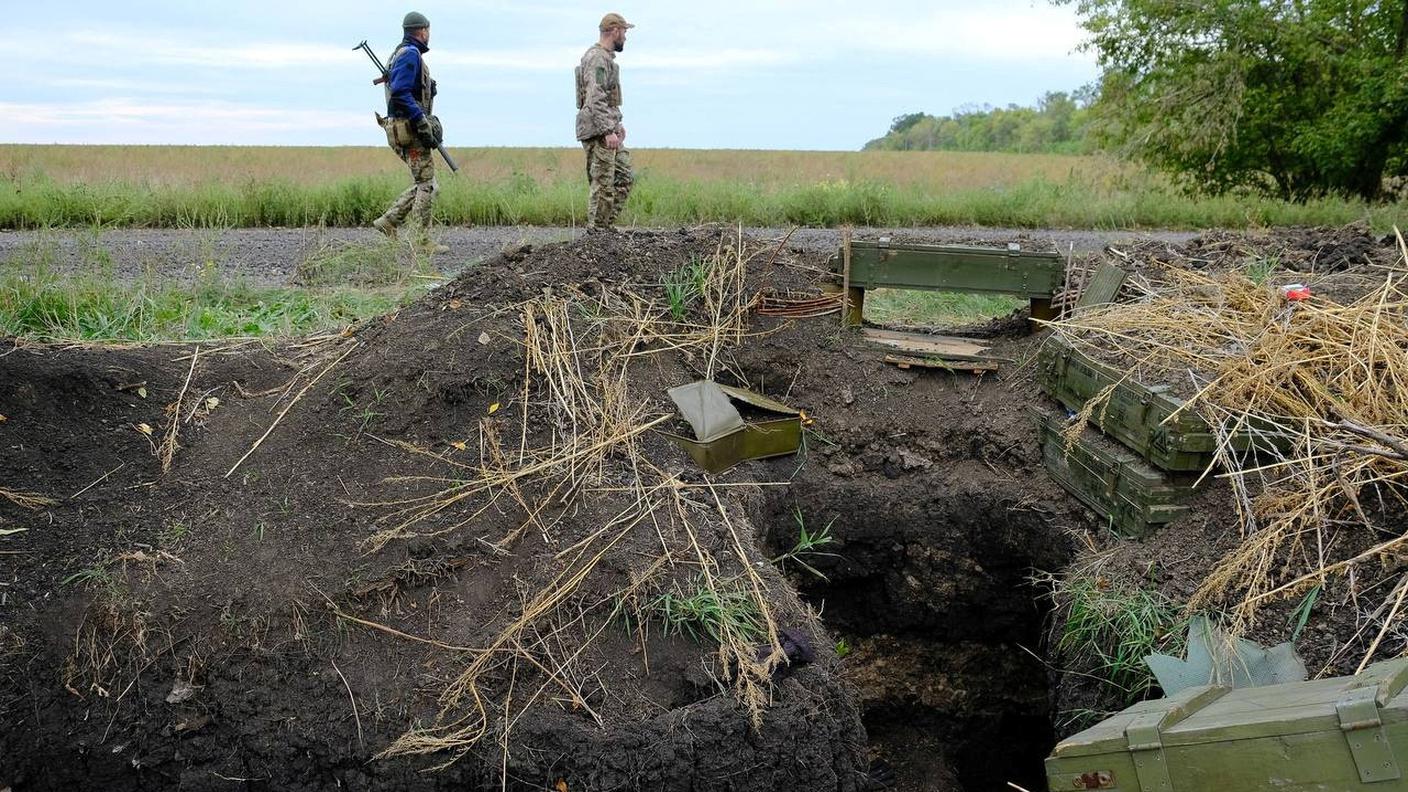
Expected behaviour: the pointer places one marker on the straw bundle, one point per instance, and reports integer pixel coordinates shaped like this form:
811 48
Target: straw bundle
577 390
1322 390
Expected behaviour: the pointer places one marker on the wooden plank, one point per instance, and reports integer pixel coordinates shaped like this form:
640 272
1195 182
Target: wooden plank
972 366
1103 287
923 342
846 282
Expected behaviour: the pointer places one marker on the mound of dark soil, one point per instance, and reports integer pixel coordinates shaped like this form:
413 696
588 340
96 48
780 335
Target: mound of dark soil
231 619
318 574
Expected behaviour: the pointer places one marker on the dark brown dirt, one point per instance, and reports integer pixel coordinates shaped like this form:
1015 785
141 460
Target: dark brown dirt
927 636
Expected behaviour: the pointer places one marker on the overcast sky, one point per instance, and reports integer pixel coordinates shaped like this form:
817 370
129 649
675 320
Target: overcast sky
785 74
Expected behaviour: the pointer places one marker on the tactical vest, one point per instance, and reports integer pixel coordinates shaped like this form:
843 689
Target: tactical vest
424 94
612 84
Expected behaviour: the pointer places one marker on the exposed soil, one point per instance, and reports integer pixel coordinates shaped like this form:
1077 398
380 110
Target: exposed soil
198 629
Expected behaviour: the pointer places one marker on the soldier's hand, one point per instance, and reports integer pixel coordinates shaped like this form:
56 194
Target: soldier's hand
621 133
426 132
613 141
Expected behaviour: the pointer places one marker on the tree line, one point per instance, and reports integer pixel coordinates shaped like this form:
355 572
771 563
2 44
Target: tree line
1296 99
1059 124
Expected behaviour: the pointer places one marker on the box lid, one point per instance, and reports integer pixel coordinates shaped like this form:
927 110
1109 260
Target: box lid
1210 714
1298 707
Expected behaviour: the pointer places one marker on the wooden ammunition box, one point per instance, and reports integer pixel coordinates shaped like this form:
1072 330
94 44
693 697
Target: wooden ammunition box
1342 734
883 264
1144 417
1110 479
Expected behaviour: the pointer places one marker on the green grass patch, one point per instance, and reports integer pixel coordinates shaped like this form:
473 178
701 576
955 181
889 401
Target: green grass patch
376 265
46 307
1111 628
927 308
697 610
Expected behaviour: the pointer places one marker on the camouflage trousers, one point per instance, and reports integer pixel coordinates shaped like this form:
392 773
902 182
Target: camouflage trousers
418 200
610 178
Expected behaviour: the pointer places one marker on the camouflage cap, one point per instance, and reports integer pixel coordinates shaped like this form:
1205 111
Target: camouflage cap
613 21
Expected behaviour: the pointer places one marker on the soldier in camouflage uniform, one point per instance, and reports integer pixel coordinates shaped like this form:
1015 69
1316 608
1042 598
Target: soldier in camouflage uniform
412 132
599 125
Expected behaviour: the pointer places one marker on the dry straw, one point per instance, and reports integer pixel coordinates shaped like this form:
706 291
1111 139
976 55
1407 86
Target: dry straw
1310 404
577 391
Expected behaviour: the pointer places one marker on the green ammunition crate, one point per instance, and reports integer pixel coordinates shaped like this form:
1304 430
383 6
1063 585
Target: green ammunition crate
883 264
1136 415
1110 479
1339 734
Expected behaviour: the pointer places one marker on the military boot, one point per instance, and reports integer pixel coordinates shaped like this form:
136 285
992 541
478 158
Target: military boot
385 226
429 247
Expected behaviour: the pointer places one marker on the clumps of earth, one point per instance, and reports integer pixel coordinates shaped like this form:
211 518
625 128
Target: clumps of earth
455 548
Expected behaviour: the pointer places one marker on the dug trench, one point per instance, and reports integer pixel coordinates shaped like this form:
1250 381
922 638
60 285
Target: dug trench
448 550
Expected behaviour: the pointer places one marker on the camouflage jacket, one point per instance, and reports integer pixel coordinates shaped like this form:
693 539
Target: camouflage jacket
598 94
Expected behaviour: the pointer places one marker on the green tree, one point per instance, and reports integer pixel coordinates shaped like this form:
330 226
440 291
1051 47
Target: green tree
904 123
1293 97
1059 123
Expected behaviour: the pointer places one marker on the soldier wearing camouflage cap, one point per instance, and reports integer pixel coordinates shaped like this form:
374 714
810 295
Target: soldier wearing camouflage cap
412 131
599 126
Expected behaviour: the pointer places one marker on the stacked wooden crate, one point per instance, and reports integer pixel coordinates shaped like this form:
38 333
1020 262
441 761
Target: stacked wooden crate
1137 462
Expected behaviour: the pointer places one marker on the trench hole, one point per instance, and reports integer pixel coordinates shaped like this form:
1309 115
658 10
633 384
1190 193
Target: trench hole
927 590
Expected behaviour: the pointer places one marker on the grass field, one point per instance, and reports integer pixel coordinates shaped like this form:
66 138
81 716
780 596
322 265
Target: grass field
335 287
200 187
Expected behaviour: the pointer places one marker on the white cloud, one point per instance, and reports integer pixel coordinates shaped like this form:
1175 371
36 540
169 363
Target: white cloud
981 34
264 55
562 59
130 87
124 120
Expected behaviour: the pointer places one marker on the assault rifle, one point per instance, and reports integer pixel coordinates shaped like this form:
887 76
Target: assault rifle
385 76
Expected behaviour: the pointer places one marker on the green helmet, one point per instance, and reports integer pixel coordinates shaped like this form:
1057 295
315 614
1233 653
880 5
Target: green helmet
415 20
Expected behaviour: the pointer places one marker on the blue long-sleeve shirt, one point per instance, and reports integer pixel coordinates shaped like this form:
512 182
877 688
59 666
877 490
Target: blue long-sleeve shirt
405 81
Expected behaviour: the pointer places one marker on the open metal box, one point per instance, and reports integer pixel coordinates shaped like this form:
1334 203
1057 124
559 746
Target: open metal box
722 435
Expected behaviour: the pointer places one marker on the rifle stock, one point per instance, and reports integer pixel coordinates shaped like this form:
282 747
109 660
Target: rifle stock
448 159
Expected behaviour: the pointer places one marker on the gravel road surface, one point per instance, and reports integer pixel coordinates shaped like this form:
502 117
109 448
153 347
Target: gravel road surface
270 256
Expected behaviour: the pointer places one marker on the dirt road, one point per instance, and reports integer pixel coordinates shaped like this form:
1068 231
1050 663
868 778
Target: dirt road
271 256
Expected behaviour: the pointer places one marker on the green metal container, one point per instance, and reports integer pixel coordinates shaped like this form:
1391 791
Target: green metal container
1343 733
1110 479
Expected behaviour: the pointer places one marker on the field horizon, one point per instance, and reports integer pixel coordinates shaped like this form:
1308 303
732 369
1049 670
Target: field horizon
62 185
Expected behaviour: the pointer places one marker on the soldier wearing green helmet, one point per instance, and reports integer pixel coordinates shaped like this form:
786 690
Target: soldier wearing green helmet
412 131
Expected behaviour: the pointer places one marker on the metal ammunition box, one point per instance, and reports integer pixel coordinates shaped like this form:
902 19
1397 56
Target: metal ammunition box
1144 417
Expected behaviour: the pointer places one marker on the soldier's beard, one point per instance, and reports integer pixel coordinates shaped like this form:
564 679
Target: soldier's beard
620 46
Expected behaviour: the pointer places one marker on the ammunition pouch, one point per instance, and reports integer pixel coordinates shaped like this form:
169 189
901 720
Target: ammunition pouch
399 134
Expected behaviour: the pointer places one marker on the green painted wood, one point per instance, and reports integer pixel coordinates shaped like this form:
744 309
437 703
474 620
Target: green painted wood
1103 287
1137 415
954 268
1146 418
1115 483
1346 733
